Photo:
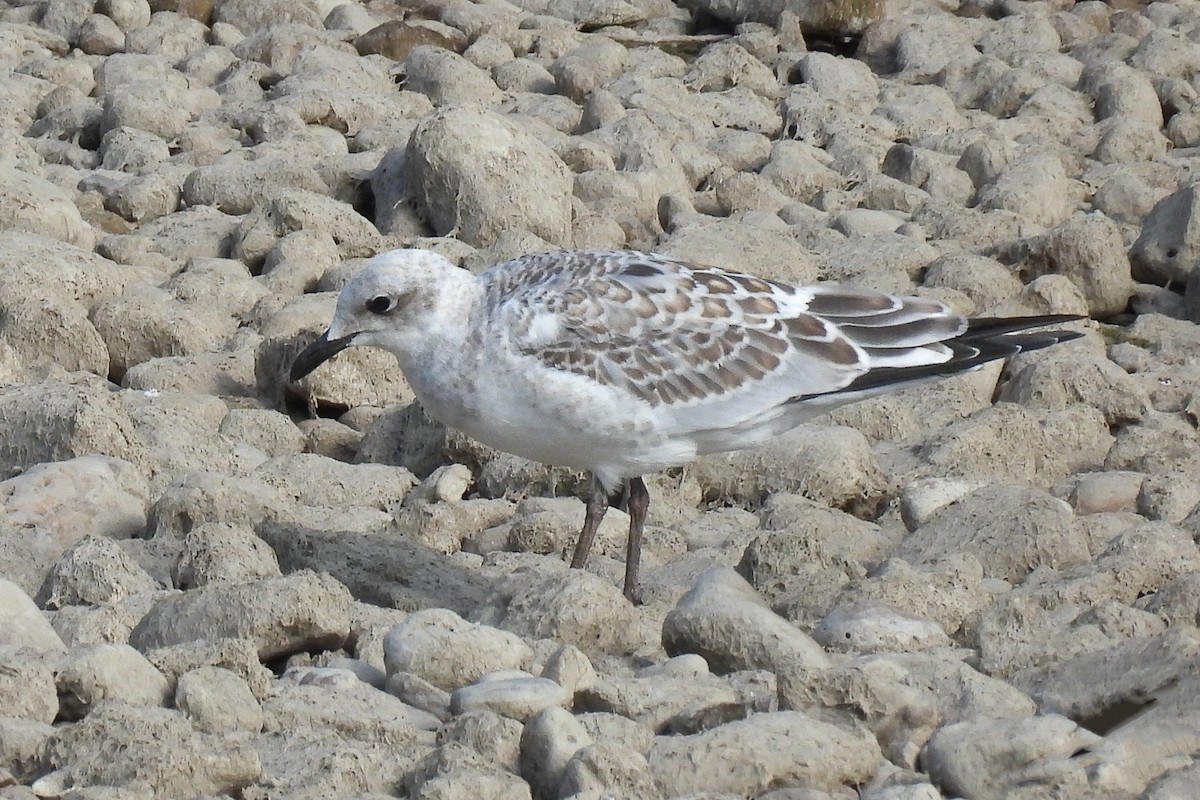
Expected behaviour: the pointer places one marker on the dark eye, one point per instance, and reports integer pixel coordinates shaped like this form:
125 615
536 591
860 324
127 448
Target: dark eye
381 304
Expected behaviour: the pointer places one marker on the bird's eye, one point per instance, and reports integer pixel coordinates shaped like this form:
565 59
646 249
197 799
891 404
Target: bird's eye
381 304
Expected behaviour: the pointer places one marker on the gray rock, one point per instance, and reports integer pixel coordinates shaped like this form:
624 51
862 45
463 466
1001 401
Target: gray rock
946 591
351 708
1125 140
96 571
419 693
320 481
1126 673
1010 529
1121 91
239 656
1075 375
163 108
785 747
234 187
223 553
1088 249
107 624
108 672
264 429
988 758
494 736
53 506
869 627
447 78
796 532
175 36
1170 498
34 205
250 17
300 611
446 650
218 701
447 182
456 770
158 745
129 15
1021 446
283 211
570 668
64 17
390 571
921 499
903 698
147 197
726 622
21 742
587 68
1035 187
573 607
831 465
656 700
1167 246
1106 492
27 684
605 768
549 740
516 697
100 36
73 342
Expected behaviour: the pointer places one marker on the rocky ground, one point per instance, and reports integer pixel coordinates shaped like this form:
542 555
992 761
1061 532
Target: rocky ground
216 584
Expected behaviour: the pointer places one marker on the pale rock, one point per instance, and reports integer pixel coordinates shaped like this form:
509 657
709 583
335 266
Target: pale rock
108 672
450 652
726 622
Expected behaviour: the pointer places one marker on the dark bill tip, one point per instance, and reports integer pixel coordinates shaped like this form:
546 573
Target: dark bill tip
317 354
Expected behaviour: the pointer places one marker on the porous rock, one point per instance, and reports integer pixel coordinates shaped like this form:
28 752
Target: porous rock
450 652
282 615
573 607
217 700
780 748
158 750
726 622
53 506
1010 529
457 187
518 697
27 684
95 571
988 758
100 672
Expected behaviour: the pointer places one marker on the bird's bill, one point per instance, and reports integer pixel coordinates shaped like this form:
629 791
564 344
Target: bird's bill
317 354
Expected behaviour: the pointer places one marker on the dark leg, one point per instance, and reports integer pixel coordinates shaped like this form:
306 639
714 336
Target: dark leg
596 508
637 504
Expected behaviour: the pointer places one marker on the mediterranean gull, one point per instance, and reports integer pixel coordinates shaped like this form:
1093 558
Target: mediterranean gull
622 363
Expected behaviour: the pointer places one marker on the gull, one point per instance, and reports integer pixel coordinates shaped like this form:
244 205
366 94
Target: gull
621 363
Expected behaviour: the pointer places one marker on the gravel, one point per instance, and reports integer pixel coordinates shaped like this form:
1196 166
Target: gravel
216 583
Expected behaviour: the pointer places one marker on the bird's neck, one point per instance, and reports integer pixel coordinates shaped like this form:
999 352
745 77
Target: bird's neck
439 356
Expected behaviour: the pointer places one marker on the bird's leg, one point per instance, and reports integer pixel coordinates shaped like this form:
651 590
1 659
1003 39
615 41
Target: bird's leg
638 504
597 506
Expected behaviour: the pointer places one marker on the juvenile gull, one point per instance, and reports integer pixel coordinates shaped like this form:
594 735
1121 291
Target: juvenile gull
622 363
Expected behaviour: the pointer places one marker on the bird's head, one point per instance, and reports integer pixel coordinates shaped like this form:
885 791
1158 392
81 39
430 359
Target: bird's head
389 304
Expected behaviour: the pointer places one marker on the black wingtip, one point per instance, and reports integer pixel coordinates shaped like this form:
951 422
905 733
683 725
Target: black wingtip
994 326
985 339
